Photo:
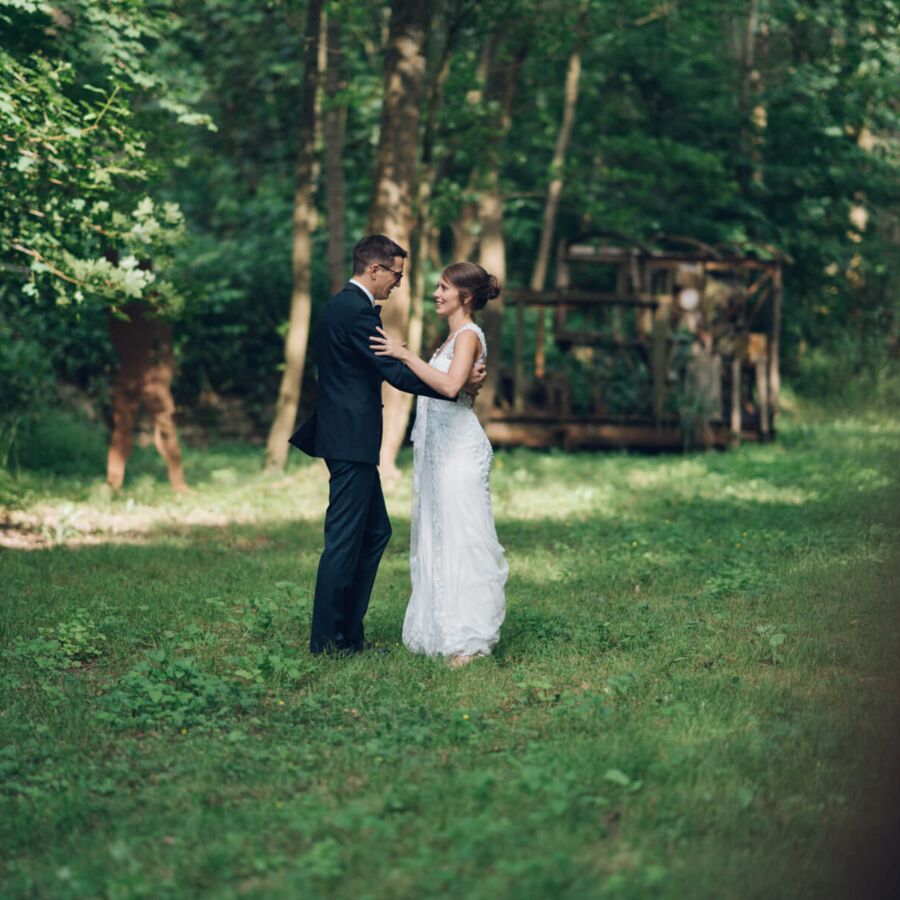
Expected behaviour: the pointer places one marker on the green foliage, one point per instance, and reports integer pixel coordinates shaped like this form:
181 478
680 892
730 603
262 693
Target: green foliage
853 371
78 640
75 150
168 690
146 234
61 441
26 375
63 648
149 149
772 639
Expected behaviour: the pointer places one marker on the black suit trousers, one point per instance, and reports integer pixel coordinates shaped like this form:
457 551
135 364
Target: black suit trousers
357 530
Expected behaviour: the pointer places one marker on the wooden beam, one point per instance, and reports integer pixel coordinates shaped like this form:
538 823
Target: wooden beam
613 255
775 343
736 396
659 355
543 417
731 265
595 339
598 435
518 361
577 298
762 395
764 295
540 340
531 435
756 285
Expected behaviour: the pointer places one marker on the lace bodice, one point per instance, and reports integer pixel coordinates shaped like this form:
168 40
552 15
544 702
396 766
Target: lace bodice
446 415
443 357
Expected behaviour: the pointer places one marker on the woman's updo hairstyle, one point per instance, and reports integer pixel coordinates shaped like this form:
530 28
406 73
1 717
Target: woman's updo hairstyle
473 282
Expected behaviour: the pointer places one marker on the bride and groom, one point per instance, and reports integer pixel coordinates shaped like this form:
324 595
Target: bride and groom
457 567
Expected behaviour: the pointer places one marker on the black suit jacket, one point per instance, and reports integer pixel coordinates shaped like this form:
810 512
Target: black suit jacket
346 424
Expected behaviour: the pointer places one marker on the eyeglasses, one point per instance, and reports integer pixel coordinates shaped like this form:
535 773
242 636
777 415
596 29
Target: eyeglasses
398 276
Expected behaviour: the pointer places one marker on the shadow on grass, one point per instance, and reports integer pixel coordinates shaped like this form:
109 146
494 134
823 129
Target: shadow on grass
586 591
664 550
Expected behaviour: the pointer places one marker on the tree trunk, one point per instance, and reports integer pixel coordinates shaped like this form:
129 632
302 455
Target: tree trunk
392 210
554 190
492 256
335 128
143 344
304 222
745 97
465 233
500 87
425 248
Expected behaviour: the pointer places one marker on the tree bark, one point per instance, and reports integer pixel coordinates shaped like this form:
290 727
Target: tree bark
143 344
492 257
392 211
465 234
500 86
425 242
304 223
335 128
554 191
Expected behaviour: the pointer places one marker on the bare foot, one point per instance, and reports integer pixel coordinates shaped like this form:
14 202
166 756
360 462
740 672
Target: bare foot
457 662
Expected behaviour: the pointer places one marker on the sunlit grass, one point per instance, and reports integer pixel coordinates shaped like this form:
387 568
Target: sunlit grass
693 679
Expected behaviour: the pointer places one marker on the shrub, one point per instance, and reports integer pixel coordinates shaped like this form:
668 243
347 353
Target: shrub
25 377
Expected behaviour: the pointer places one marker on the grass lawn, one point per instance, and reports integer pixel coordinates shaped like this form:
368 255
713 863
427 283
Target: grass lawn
693 696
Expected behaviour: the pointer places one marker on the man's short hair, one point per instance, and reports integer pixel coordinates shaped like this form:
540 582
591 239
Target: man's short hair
375 248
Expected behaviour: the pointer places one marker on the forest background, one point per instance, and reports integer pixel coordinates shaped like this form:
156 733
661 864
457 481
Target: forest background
695 689
219 160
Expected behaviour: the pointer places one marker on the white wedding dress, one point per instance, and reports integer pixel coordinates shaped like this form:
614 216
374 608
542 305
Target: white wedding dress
457 566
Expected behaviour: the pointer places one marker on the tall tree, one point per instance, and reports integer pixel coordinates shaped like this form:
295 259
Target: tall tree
554 188
426 234
304 223
82 99
335 128
394 191
504 64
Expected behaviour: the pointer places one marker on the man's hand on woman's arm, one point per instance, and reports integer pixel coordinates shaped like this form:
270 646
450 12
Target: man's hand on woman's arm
476 379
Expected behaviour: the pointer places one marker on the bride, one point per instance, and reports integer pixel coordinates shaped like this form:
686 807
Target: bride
457 566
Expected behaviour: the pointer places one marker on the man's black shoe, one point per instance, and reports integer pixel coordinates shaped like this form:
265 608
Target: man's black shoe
336 650
343 650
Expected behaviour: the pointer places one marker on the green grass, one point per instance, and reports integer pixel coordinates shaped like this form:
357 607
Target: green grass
692 697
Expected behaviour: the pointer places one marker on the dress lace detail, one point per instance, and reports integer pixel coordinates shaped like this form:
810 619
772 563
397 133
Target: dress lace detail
457 567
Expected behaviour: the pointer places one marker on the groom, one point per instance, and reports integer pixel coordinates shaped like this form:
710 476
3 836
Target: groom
345 430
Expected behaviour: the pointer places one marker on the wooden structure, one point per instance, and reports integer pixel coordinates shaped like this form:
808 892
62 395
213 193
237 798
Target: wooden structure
663 346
